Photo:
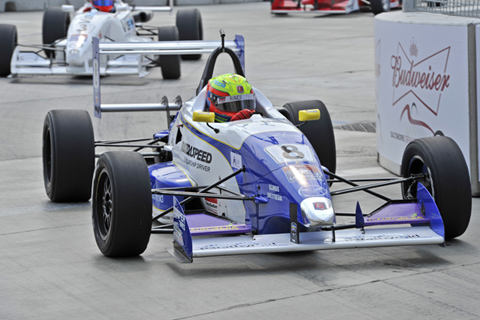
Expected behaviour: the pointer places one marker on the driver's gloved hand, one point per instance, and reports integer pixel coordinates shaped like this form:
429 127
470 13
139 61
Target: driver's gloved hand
242 114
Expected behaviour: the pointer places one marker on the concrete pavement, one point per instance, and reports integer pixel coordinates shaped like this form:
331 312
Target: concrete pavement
50 267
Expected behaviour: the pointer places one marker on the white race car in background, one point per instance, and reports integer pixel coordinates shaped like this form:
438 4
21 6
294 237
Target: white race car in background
67 41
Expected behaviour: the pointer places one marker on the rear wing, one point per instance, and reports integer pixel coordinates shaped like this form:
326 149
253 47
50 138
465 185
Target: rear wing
158 48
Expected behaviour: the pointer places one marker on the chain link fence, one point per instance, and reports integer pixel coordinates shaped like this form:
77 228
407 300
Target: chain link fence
462 8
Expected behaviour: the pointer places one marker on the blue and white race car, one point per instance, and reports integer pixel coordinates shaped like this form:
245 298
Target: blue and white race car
264 184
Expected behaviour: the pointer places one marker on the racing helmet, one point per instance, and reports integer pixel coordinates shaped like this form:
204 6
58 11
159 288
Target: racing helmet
103 5
227 94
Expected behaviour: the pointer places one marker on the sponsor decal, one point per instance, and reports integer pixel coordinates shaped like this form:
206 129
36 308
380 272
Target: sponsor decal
244 244
302 174
158 197
196 153
197 165
211 205
236 98
179 225
273 188
235 160
412 217
418 82
198 157
293 229
274 196
319 205
230 227
383 237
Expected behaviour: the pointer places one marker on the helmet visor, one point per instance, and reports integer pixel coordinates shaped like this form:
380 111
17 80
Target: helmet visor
103 3
236 103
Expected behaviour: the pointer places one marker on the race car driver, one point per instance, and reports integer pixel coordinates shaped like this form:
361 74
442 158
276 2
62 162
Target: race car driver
230 97
104 5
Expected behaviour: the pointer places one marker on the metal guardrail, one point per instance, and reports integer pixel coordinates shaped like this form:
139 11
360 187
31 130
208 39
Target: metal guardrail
462 8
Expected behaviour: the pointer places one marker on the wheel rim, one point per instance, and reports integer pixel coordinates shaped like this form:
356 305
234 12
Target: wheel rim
104 206
417 166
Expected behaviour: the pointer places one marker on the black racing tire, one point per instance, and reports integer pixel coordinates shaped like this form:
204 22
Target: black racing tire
447 180
319 132
122 204
8 40
190 27
170 64
380 6
54 27
68 152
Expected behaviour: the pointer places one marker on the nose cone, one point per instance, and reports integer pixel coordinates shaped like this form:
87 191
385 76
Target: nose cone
318 210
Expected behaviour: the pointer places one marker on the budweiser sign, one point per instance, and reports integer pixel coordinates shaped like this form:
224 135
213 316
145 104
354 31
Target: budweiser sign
419 82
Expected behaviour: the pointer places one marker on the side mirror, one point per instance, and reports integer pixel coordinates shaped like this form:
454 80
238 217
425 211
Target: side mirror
203 116
68 8
308 115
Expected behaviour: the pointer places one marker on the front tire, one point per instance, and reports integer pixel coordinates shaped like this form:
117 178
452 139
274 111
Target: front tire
8 40
68 154
447 179
189 24
170 64
318 132
54 27
122 204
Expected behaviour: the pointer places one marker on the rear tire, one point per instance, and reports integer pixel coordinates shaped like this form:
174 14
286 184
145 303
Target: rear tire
170 64
189 24
68 154
54 27
447 180
8 40
380 6
318 132
122 204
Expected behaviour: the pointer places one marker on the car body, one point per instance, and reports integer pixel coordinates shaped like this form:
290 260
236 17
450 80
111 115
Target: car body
68 34
280 7
257 185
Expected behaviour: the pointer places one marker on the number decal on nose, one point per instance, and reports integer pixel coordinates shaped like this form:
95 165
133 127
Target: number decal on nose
291 152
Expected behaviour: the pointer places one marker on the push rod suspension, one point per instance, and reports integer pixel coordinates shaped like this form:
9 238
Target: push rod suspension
331 174
367 188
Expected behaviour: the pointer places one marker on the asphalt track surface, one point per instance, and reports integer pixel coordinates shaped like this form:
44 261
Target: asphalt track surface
50 267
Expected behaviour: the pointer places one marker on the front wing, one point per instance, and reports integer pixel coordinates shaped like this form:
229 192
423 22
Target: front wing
426 227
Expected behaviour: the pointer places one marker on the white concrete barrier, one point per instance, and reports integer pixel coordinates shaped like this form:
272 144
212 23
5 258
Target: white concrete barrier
426 84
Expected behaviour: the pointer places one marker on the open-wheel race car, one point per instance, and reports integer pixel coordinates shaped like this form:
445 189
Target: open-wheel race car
258 185
282 7
67 41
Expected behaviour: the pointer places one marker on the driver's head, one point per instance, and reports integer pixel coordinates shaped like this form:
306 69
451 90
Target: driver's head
228 94
103 5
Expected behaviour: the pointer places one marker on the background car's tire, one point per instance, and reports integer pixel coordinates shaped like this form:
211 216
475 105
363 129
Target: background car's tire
68 153
122 204
380 6
54 26
189 24
170 64
8 40
318 132
448 180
